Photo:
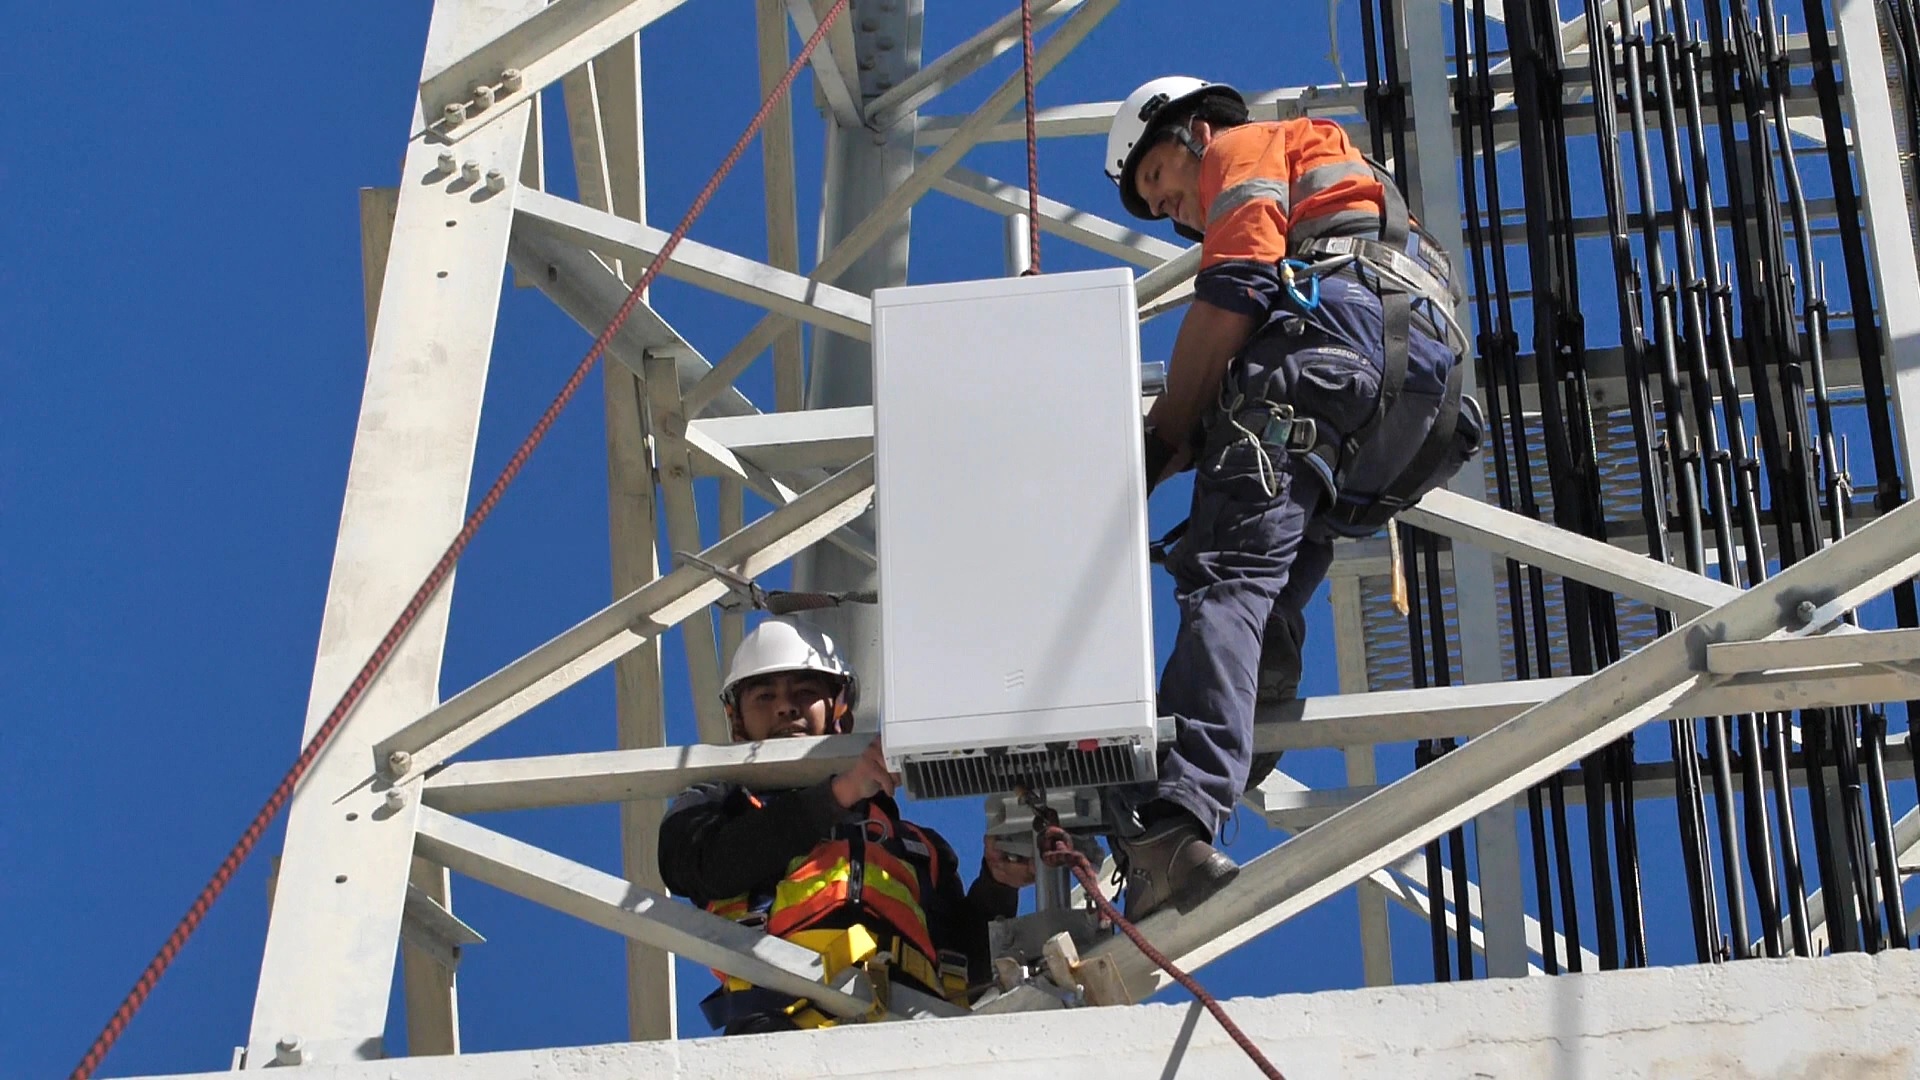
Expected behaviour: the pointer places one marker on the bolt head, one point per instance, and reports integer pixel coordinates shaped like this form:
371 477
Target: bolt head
447 161
396 798
496 180
454 114
511 81
1806 610
482 96
470 171
399 760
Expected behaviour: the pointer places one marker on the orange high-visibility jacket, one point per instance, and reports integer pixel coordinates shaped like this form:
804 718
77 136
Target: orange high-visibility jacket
1264 183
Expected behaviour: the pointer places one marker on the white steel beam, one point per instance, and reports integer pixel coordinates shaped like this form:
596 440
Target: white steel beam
639 706
1059 219
1594 562
327 970
961 61
1168 277
1506 761
1884 202
641 914
603 118
1906 849
1376 940
1289 805
783 223
1344 720
1094 117
1275 800
675 474
1870 647
829 71
711 458
697 264
427 983
466 787
1434 166
544 46
733 620
611 633
586 289
786 442
887 215
1342 105
830 436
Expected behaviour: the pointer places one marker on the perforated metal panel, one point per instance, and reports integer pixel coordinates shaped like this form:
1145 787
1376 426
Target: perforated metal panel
1384 630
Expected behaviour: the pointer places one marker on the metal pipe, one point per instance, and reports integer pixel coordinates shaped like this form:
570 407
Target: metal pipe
1682 454
1601 42
1687 295
1495 346
1873 746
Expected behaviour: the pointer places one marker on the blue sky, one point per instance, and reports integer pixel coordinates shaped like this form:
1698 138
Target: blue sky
183 345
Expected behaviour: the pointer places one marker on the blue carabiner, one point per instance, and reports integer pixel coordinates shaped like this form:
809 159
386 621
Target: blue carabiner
1290 270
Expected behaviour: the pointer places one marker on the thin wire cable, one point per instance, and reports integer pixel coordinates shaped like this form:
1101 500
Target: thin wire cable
1033 141
156 967
1057 850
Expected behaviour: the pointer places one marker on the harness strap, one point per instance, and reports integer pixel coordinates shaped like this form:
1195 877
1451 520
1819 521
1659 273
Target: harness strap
1399 494
1401 269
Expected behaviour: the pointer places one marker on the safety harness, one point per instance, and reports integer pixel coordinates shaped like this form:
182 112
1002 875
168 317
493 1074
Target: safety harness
1384 264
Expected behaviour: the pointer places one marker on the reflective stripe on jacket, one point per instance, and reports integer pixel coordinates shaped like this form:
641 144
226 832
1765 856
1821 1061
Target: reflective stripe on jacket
874 870
1266 182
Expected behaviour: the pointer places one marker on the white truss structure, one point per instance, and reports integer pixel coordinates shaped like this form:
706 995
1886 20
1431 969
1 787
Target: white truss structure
377 827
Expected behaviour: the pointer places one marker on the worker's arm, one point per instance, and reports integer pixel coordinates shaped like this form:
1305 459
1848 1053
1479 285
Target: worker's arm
1210 337
715 842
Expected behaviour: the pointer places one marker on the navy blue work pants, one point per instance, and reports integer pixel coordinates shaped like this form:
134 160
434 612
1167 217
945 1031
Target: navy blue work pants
1250 560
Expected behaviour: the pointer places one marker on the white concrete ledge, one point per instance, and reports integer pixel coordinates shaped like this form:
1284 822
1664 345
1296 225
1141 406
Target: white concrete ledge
1844 1018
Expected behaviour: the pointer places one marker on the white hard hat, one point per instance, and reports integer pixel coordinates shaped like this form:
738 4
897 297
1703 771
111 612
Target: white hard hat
1136 118
782 644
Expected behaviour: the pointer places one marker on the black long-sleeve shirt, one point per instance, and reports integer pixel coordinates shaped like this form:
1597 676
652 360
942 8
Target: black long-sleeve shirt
715 843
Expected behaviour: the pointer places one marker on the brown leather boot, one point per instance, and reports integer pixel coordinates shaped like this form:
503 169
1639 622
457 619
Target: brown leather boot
1171 861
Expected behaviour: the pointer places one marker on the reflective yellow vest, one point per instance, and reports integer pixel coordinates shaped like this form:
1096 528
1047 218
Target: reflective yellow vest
874 873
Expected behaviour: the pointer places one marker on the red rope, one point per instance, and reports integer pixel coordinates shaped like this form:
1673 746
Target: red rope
143 986
1057 849
1033 141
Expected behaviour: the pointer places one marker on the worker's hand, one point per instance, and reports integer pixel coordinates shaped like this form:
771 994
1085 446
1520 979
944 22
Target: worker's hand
867 778
1007 870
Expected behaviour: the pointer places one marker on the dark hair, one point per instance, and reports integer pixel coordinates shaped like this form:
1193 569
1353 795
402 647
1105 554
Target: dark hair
1218 110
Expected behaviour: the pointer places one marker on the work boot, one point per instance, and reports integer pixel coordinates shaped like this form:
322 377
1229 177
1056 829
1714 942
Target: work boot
1171 861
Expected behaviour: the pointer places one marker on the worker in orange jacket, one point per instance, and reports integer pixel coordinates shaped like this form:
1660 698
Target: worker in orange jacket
1316 389
832 866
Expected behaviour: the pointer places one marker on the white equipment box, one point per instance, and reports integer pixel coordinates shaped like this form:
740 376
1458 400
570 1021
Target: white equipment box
1016 635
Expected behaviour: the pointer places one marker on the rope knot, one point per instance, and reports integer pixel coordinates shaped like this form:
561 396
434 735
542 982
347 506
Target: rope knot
1056 848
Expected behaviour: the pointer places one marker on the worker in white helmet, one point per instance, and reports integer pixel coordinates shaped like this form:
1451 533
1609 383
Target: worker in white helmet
832 866
1315 387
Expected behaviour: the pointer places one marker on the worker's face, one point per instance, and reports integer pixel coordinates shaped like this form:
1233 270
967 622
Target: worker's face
784 705
1168 178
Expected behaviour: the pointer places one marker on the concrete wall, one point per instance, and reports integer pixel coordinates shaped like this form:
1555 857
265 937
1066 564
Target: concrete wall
1845 1018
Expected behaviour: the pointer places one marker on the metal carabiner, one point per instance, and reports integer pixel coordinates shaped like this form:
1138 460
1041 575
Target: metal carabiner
1290 272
